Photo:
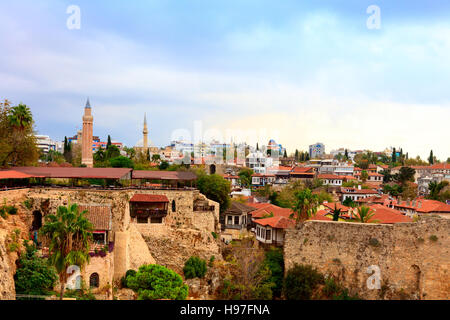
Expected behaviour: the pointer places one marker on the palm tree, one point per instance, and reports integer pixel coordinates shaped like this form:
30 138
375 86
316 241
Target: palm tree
336 213
364 214
69 233
20 117
305 205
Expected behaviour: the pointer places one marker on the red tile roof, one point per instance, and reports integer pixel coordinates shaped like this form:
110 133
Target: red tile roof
265 209
321 216
387 215
12 174
99 216
80 173
149 198
302 170
277 222
338 205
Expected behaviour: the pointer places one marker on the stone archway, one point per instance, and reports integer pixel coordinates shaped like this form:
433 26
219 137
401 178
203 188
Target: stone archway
212 169
417 285
37 220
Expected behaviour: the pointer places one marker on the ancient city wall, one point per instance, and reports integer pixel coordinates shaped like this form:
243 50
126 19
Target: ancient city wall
413 258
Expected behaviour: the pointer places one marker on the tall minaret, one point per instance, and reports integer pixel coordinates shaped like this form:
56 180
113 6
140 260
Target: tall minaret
145 133
86 144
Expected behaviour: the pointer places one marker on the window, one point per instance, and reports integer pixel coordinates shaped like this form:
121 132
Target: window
229 220
236 220
156 220
268 235
174 208
94 280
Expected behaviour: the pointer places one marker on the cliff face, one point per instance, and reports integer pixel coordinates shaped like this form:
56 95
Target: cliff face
7 290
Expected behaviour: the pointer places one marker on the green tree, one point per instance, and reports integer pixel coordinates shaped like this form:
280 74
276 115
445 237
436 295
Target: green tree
364 176
163 165
301 282
245 176
274 261
121 162
156 157
194 268
305 205
108 144
405 174
17 141
431 158
285 153
153 282
112 152
69 233
364 214
34 276
216 188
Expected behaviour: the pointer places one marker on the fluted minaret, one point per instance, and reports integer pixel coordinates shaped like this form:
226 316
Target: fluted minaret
145 133
86 137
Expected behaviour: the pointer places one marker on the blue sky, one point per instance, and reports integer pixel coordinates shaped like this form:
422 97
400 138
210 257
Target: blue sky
297 71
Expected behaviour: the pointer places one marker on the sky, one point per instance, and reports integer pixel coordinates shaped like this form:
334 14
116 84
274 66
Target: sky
299 72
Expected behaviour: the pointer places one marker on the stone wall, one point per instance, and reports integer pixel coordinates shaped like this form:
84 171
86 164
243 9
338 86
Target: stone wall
413 258
7 289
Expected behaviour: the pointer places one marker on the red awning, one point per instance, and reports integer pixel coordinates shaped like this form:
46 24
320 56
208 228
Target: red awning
12 174
149 198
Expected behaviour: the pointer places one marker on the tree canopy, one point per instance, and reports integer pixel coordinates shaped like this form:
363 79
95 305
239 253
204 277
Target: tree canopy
216 188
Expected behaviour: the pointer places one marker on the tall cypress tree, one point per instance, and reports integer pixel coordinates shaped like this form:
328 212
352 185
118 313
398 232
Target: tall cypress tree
394 156
431 157
109 142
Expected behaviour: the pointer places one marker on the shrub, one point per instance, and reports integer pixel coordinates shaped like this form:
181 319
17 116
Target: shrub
34 276
433 238
374 242
157 282
214 235
194 268
301 281
211 261
275 263
123 280
28 203
11 210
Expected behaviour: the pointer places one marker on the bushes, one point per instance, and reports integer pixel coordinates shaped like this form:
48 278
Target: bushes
123 280
34 276
301 281
157 282
275 263
194 268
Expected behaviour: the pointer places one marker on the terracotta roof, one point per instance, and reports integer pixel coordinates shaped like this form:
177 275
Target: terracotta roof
81 173
302 170
163 175
424 206
12 174
149 198
384 214
338 205
271 209
99 216
277 222
321 216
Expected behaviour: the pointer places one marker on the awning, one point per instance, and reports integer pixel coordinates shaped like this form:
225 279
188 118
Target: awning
149 198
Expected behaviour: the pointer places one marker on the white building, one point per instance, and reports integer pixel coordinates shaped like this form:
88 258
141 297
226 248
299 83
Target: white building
259 162
45 144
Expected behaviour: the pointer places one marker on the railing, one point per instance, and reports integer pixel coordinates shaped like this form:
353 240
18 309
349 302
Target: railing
103 188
